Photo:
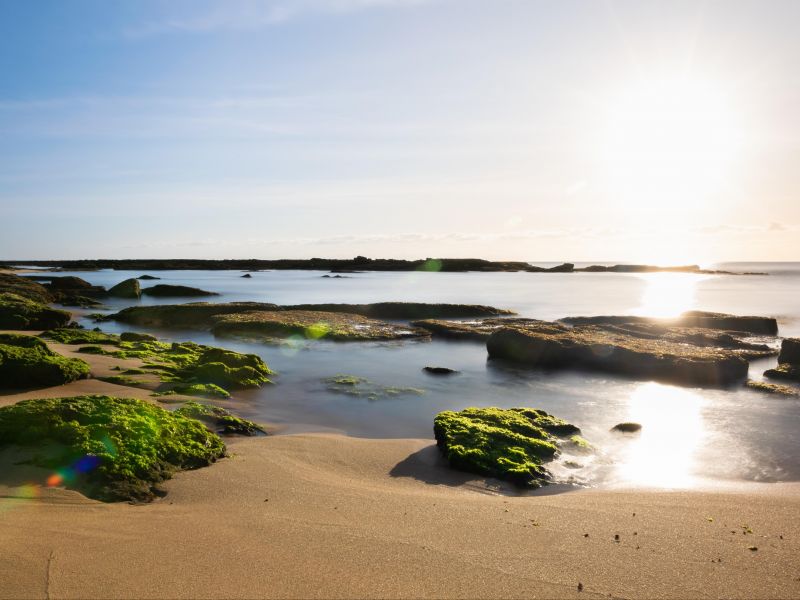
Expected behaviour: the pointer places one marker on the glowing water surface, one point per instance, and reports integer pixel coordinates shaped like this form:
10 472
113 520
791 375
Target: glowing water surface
689 435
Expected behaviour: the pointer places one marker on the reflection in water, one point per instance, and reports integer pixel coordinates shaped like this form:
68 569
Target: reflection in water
668 294
663 453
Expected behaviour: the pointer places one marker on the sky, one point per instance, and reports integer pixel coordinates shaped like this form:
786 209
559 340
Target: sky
638 131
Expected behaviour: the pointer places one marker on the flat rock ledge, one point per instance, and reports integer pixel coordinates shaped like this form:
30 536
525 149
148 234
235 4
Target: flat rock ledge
694 318
596 348
309 324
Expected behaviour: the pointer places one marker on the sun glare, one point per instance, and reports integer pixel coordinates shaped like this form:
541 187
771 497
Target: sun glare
671 141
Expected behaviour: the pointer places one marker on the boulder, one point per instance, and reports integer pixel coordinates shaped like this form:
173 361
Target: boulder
627 427
27 362
163 290
440 370
247 276
790 351
18 312
599 349
512 444
129 288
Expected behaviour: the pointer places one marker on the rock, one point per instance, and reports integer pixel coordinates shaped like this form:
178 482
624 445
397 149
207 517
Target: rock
772 388
311 325
18 312
219 420
694 318
129 288
440 370
784 371
599 349
148 277
627 428
406 310
790 351
68 283
131 336
27 362
164 290
25 287
247 276
193 314
108 448
78 335
480 330
512 444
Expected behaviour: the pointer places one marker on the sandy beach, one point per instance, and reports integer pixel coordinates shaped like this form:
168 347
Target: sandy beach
321 515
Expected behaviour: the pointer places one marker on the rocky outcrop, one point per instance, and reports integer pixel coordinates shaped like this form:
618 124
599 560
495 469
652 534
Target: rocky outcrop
24 287
129 288
163 290
480 330
597 348
195 315
18 312
788 361
407 310
695 318
311 325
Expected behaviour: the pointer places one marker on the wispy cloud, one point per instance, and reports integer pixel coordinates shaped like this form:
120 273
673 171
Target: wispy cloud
255 14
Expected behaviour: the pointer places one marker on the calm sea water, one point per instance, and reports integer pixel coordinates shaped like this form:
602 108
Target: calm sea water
689 435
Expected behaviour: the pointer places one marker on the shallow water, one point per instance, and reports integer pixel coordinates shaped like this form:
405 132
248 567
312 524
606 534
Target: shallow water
689 435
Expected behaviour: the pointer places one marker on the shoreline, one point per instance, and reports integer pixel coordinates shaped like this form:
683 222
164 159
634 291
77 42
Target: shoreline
320 515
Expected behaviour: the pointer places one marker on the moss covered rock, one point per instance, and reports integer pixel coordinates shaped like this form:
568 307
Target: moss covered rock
76 335
108 448
18 312
219 420
192 314
25 287
129 288
512 444
26 362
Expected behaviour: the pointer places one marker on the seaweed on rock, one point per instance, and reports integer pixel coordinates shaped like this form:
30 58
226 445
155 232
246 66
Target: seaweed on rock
512 444
27 362
19 312
219 420
109 448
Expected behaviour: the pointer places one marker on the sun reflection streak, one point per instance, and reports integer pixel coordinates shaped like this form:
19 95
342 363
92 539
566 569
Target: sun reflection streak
663 454
668 294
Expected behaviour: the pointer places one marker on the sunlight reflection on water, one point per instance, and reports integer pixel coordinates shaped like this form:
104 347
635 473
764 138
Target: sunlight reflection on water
663 453
668 294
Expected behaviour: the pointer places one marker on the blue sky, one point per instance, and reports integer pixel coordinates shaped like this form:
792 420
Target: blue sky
642 131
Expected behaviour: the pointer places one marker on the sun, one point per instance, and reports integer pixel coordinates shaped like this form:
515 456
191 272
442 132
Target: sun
671 141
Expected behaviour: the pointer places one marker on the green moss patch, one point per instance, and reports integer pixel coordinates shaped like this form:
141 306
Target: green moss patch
772 388
26 362
18 312
74 335
512 444
108 448
219 420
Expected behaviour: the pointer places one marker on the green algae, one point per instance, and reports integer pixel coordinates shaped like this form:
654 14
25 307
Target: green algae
201 389
74 335
512 444
108 448
121 380
26 361
19 312
219 420
352 385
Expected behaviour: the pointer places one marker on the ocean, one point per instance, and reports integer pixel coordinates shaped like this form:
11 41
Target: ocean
690 436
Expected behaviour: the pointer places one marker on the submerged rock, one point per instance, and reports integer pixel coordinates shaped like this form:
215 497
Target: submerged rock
27 362
406 310
600 349
440 370
129 288
692 318
312 325
163 290
627 427
147 277
512 444
108 448
247 276
772 388
19 312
